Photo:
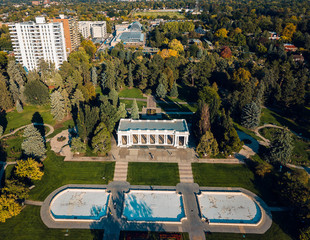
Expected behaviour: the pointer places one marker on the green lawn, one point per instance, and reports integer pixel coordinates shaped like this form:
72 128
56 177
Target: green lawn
272 117
247 131
58 173
159 14
28 225
175 107
224 175
301 153
16 119
128 104
276 232
8 171
166 174
12 147
131 93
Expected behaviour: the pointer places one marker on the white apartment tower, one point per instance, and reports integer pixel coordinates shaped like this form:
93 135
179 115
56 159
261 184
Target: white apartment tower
33 41
93 29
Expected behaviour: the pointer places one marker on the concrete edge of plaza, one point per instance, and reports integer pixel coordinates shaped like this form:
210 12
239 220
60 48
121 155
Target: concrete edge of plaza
189 192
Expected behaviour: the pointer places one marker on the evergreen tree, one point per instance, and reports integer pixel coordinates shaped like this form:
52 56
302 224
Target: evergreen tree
57 106
122 112
1 130
77 146
94 76
6 101
281 147
207 145
101 142
163 79
36 93
250 115
134 110
109 114
17 81
33 144
142 76
113 96
210 96
29 168
19 106
110 75
161 91
130 77
204 124
77 97
174 91
67 104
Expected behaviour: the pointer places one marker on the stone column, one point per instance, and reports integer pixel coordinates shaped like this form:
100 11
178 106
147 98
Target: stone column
119 138
165 139
139 139
156 139
176 141
148 140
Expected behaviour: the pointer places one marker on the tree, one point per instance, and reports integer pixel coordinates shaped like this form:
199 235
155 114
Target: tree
17 81
190 74
19 106
78 146
86 120
167 53
174 91
134 110
1 130
33 144
161 91
94 76
241 75
203 115
142 76
36 93
6 101
226 52
281 147
288 31
250 115
15 189
207 145
113 96
101 142
77 97
221 33
8 208
89 47
263 168
57 106
122 112
130 77
29 168
176 45
210 96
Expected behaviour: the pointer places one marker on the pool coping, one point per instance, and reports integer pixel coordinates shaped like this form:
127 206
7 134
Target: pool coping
115 222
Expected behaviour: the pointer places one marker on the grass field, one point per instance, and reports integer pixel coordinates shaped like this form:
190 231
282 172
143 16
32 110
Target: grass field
128 104
131 93
28 225
16 120
165 174
58 173
159 14
247 131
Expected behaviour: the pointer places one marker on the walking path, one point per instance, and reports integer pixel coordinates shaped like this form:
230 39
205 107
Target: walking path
2 170
51 129
265 141
120 171
185 172
33 203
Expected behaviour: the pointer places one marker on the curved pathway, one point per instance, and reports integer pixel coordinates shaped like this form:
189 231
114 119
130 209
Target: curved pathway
51 129
265 141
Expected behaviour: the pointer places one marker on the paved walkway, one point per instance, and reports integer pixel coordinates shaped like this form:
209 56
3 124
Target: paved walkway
2 170
120 171
51 129
33 203
185 172
193 223
265 141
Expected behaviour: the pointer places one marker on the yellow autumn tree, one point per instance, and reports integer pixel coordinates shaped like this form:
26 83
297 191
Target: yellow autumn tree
237 30
167 53
221 33
241 75
288 31
8 208
176 45
29 168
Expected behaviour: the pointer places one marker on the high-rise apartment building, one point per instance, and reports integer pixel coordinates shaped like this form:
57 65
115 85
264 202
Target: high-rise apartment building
71 31
34 41
93 29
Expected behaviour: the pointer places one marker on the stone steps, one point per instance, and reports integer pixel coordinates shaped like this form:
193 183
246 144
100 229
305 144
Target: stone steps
120 171
186 174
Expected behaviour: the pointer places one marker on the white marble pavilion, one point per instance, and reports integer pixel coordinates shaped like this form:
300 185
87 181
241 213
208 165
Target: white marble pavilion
172 133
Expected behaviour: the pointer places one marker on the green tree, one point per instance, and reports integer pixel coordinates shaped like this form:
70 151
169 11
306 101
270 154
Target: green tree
94 76
33 144
134 110
8 208
77 97
87 119
17 81
6 101
203 116
207 145
101 142
161 91
130 77
36 93
1 130
57 106
89 47
142 76
174 91
250 115
29 168
122 112
281 147
210 96
113 96
78 146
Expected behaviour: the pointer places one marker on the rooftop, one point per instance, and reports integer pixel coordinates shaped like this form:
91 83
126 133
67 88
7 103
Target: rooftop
131 37
179 125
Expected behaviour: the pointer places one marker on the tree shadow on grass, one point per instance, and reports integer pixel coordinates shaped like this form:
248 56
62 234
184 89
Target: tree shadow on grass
38 122
3 120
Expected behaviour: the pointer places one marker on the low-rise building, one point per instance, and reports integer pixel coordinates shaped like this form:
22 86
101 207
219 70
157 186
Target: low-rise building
290 47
